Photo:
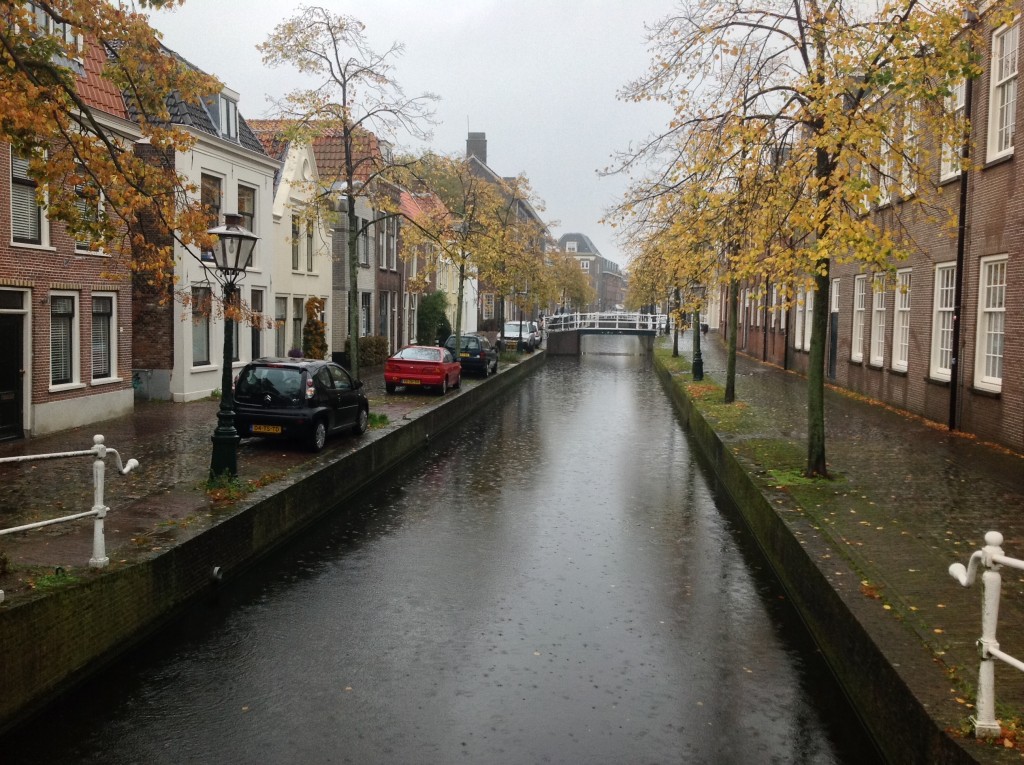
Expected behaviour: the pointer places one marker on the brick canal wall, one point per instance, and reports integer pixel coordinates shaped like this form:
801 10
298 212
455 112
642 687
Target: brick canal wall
49 644
873 659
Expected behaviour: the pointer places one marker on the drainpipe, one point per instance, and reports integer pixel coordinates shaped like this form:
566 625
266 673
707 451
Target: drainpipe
955 373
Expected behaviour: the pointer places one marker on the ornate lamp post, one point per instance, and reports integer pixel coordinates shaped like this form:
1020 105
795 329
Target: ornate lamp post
232 255
698 360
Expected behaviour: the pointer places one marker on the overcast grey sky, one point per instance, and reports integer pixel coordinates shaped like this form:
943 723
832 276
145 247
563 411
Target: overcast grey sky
539 77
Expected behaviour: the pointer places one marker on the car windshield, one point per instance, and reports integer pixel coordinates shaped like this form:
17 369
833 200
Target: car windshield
468 342
419 354
512 327
277 381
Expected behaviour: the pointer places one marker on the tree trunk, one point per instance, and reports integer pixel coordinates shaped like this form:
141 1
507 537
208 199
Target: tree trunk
730 369
675 336
816 464
353 288
458 311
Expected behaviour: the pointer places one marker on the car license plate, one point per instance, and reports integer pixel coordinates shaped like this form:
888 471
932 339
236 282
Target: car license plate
411 382
266 428
464 355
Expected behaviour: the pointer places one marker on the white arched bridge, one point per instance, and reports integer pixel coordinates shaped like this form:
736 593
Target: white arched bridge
565 330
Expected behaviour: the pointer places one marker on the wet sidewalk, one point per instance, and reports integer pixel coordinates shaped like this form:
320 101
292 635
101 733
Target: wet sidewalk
162 501
909 499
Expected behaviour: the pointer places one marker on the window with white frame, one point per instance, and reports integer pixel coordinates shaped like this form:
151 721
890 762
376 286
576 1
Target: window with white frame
585 265
364 313
570 246
988 372
1003 92
808 315
798 323
860 288
247 206
104 338
901 321
28 223
295 243
200 326
942 321
228 118
911 154
775 306
89 203
392 243
878 320
309 246
759 307
955 103
280 326
256 330
212 199
63 331
298 314
363 244
886 172
488 305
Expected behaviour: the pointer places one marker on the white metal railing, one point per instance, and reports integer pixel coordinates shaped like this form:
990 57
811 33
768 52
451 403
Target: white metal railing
99 510
617 320
991 557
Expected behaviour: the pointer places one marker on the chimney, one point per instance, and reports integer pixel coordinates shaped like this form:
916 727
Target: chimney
476 146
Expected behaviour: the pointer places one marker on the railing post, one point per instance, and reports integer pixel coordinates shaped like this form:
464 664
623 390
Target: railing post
985 724
99 557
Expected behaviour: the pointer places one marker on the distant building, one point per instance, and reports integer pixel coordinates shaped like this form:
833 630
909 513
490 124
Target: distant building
606 277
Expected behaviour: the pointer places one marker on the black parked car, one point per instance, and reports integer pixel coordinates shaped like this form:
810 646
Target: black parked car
476 354
303 399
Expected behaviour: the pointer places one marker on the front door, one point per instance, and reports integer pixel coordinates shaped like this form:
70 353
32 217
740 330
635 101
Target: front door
11 374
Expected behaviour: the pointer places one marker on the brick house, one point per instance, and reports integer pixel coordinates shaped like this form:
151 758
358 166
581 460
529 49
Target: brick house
65 306
898 337
605 275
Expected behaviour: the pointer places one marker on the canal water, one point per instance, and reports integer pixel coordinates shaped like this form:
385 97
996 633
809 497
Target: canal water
557 582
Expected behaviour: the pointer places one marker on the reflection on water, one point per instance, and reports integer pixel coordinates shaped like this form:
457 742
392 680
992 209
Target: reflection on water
555 582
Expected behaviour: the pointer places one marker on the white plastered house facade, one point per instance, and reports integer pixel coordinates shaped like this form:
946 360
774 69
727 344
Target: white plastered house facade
234 174
300 253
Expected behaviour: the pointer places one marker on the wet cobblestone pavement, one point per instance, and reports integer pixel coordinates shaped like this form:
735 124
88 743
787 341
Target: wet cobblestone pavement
164 499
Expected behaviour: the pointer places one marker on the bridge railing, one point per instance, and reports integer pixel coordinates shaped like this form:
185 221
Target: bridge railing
992 559
99 452
611 320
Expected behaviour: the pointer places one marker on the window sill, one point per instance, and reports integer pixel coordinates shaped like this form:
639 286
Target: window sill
937 383
36 247
878 367
66 387
998 161
106 381
205 367
986 393
898 372
855 362
92 253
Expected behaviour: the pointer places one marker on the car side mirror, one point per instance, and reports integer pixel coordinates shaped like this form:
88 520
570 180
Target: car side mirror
357 384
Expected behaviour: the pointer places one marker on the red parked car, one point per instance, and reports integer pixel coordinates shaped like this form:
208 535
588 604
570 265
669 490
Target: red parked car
422 366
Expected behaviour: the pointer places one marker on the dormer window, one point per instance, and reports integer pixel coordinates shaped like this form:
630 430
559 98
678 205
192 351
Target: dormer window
45 24
223 111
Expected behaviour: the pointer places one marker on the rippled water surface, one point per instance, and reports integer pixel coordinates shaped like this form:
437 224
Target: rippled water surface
555 583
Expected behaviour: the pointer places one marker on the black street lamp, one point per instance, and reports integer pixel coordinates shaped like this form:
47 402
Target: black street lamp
231 255
698 360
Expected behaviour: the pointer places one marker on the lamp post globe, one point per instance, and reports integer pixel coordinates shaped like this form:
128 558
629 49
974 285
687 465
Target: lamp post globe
232 255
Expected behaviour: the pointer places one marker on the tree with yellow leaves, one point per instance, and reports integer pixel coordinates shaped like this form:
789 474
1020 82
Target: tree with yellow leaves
822 112
355 102
85 165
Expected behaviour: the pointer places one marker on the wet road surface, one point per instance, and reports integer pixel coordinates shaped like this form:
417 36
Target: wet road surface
555 583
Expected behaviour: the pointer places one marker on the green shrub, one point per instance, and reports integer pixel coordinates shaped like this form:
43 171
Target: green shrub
432 325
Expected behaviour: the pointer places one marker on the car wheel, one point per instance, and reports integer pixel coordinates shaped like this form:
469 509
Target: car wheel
318 437
362 421
458 381
389 387
487 368
444 385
